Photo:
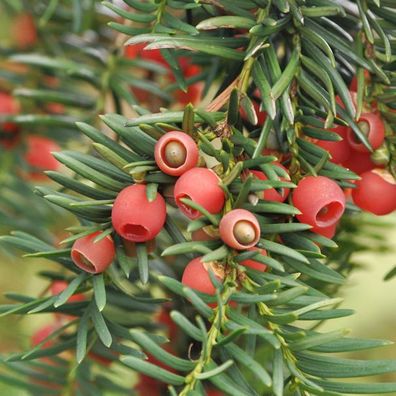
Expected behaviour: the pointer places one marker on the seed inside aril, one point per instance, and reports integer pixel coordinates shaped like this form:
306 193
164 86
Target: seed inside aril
323 212
244 232
175 154
364 127
86 262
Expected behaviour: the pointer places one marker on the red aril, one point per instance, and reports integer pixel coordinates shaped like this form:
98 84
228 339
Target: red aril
134 217
375 192
200 185
196 276
320 200
252 263
373 127
271 194
93 256
239 229
175 153
339 151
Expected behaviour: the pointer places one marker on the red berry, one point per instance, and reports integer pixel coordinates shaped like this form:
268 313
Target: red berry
203 235
214 392
24 31
252 263
320 200
327 232
175 153
359 162
375 192
339 151
39 155
353 85
134 217
239 229
164 318
373 127
261 115
93 257
196 276
194 91
200 185
9 136
41 334
58 286
271 194
37 338
55 108
149 386
137 51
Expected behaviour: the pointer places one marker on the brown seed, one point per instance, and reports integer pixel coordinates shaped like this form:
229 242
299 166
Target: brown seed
175 154
244 232
84 260
364 127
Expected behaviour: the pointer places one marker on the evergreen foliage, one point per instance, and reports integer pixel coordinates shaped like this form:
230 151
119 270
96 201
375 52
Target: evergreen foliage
293 60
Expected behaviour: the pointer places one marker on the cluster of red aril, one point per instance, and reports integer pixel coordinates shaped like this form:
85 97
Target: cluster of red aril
375 192
136 219
189 70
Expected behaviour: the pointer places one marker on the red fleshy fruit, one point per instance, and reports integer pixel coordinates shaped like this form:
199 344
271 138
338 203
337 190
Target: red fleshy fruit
134 217
373 127
271 194
196 276
194 91
175 153
24 31
320 200
9 132
39 156
359 162
375 192
239 229
200 185
93 257
252 263
339 151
